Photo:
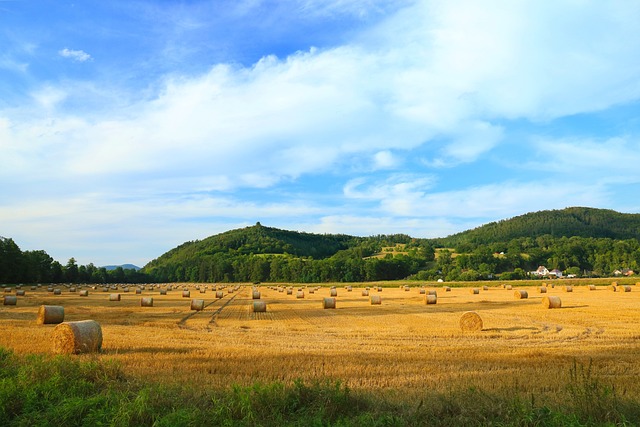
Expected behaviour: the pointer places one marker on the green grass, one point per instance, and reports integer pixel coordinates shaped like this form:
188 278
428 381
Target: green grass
70 391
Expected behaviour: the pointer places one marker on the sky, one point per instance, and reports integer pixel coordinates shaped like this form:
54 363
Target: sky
128 127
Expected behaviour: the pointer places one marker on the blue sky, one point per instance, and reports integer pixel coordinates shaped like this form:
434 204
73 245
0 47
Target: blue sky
130 127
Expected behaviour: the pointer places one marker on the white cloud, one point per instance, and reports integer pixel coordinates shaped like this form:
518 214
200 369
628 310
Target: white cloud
411 196
76 55
609 157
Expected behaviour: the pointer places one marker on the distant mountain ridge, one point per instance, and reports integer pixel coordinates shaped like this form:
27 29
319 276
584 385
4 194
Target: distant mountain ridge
124 267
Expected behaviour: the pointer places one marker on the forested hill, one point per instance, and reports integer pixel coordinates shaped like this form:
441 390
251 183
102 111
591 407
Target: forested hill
569 222
259 239
260 253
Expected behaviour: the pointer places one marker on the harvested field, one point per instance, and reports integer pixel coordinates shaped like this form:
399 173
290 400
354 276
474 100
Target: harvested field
402 344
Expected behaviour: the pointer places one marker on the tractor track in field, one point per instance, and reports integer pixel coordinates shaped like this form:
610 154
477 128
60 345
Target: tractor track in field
215 314
183 321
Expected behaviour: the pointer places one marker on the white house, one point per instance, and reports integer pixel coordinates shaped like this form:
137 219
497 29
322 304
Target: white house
541 271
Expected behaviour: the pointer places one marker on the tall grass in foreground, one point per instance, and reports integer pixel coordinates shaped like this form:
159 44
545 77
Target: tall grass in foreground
70 391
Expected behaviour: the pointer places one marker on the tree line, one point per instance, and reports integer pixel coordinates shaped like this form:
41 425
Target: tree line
17 266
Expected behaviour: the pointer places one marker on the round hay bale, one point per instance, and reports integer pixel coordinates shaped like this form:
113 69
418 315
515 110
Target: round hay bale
521 294
259 306
219 294
508 287
197 304
57 292
289 291
349 288
542 289
50 315
10 300
333 292
551 301
20 292
474 291
470 321
72 290
84 336
568 288
328 302
407 288
423 291
300 294
186 294
430 299
485 288
592 287
365 293
146 302
623 288
255 295
376 300
163 291
432 292
114 297
84 293
379 288
614 288
138 291
447 289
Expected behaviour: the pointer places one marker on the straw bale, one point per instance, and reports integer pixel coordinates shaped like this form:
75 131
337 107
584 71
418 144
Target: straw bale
163 291
186 294
551 301
10 300
255 295
300 294
20 292
485 288
84 336
470 321
219 294
432 292
50 315
568 288
333 292
624 288
146 302
508 287
329 302
614 288
197 304
376 300
365 293
447 289
474 291
521 294
423 291
114 297
542 289
430 299
592 287
259 306
57 292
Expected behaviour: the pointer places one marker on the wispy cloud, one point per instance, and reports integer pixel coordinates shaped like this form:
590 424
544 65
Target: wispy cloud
76 55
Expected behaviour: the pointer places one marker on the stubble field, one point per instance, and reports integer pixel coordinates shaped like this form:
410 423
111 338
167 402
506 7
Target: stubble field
401 347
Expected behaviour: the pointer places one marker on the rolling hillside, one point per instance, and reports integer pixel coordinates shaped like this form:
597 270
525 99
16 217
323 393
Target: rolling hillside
569 222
